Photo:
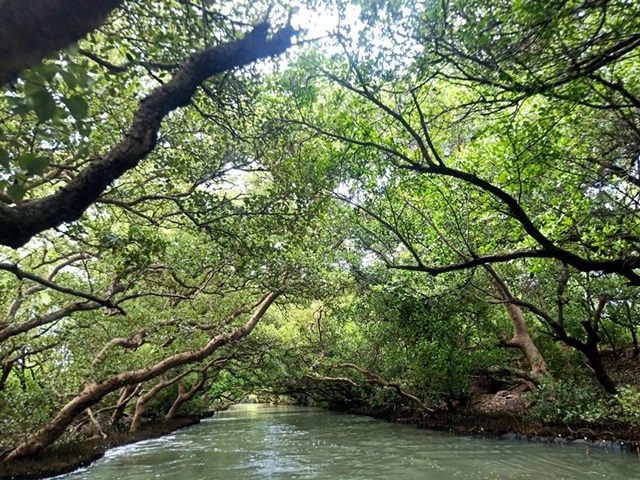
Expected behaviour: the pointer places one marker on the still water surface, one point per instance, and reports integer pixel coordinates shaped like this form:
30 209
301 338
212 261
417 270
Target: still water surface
283 442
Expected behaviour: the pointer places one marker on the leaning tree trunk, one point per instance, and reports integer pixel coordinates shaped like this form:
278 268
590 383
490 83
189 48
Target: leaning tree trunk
589 348
184 396
521 338
30 30
599 371
142 401
590 351
94 392
522 341
126 395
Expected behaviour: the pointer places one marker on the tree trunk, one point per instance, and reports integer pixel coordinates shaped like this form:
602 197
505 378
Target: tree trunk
521 338
184 397
592 352
127 394
144 399
595 362
589 350
30 30
94 392
139 411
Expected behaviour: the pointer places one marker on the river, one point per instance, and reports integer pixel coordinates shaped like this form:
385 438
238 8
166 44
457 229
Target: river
285 442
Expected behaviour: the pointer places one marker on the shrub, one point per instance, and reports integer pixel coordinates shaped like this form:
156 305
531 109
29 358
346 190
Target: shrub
568 401
628 399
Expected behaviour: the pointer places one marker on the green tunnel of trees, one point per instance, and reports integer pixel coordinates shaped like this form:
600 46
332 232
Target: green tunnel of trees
204 200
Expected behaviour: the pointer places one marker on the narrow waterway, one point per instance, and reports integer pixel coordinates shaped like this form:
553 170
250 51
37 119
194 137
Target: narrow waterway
282 442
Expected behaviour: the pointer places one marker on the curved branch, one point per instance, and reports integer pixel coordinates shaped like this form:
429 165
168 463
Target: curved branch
19 223
30 30
475 262
392 228
376 379
17 329
343 380
94 392
133 342
624 266
18 272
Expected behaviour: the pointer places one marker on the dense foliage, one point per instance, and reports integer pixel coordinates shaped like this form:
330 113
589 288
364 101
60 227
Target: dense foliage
428 194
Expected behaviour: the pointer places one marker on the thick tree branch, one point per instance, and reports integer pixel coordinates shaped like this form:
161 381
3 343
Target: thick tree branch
133 342
343 380
94 392
18 272
472 263
19 223
30 30
624 266
37 321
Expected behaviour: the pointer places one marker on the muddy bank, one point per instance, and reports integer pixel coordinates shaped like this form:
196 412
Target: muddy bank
515 427
69 457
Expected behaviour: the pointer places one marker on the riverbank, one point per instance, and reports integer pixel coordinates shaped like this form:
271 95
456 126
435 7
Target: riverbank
496 410
72 456
501 410
515 426
615 437
471 421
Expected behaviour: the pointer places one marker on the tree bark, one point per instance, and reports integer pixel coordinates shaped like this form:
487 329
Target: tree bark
591 352
30 30
94 392
589 348
20 222
522 341
184 396
144 399
521 338
133 342
126 395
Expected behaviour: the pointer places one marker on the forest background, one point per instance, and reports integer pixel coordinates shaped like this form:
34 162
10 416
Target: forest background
200 201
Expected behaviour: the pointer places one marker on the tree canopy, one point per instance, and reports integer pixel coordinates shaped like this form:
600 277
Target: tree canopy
200 201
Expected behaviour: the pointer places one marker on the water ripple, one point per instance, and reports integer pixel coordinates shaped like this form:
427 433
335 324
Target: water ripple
282 443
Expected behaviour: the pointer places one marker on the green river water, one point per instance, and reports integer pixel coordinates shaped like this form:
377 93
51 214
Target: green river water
285 442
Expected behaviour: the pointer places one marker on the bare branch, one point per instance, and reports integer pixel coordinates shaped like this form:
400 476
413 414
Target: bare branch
18 272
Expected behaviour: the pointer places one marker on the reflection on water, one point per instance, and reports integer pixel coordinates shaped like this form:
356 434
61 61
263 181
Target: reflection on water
283 442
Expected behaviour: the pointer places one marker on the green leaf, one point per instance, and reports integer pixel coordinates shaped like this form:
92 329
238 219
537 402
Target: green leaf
21 109
33 164
48 71
39 165
69 78
32 84
25 159
82 76
44 105
4 158
16 191
78 106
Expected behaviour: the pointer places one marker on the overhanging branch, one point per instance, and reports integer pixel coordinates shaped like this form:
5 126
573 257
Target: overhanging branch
18 272
19 223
